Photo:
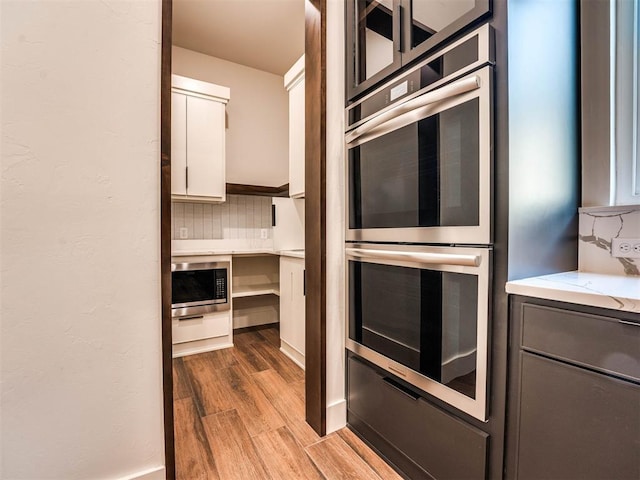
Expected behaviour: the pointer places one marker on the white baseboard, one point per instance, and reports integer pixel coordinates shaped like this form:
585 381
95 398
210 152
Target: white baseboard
336 416
201 346
292 353
157 473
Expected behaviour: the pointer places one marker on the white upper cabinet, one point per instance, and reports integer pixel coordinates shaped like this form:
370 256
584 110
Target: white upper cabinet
294 83
198 140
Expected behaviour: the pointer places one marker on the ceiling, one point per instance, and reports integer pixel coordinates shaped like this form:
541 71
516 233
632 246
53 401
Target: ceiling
263 34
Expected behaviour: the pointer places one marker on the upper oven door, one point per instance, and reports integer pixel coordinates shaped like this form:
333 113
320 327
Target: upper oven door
421 171
422 313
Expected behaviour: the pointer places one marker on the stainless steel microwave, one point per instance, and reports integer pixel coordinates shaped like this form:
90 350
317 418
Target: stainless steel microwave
199 288
419 152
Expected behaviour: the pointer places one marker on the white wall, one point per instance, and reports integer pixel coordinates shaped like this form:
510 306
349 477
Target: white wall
258 115
81 391
336 406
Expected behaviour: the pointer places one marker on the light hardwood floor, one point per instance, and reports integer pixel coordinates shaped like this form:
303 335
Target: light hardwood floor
239 415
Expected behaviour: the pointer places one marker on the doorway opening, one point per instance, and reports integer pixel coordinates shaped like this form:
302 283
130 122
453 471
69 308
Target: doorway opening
315 224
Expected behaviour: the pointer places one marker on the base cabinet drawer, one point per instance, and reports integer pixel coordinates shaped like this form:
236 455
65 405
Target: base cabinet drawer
600 342
206 326
439 444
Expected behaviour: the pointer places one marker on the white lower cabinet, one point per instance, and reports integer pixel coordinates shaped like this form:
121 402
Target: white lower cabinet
292 308
201 333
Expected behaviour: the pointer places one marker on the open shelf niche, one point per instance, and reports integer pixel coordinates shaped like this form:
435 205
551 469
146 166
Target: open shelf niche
255 289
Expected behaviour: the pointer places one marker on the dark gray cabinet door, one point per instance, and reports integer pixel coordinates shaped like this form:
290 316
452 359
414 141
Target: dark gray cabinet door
574 393
576 424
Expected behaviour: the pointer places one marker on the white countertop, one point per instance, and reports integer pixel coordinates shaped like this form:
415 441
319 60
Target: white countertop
284 253
189 248
292 253
227 251
617 292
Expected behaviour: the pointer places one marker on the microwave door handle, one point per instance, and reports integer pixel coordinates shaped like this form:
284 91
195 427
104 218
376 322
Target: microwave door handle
419 257
453 89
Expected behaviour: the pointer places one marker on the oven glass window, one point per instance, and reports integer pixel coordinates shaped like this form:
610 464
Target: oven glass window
374 36
197 286
423 175
428 18
423 319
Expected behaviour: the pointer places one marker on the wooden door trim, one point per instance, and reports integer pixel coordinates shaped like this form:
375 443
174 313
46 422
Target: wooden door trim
165 237
315 214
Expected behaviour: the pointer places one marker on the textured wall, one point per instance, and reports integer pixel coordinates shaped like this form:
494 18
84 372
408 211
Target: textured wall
81 391
598 225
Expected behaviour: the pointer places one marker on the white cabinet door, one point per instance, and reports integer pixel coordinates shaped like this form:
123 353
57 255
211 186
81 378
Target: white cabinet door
286 299
296 140
178 144
292 307
294 83
198 139
298 304
211 325
205 148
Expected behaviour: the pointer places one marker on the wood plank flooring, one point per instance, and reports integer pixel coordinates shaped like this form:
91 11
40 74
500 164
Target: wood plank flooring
239 415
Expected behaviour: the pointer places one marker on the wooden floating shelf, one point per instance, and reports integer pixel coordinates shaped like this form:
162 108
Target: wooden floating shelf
255 290
241 189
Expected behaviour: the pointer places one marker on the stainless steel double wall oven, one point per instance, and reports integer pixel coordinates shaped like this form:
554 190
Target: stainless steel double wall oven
419 223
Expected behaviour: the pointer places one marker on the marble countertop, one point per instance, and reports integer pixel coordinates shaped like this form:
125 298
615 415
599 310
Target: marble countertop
616 292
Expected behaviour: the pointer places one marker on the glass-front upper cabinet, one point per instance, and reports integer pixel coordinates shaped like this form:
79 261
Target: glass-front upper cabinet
385 35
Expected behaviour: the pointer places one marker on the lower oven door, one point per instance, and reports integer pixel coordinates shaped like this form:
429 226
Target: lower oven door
422 314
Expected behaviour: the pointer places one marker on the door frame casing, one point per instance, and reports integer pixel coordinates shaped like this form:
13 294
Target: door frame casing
315 215
165 236
315 221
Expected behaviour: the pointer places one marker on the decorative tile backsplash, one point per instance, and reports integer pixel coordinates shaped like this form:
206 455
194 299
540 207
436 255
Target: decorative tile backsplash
241 216
598 225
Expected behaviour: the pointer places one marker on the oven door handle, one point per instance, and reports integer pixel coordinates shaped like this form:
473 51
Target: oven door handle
453 89
419 257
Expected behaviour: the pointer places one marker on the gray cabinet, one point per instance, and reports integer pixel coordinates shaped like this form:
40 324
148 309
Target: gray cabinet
574 393
413 434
